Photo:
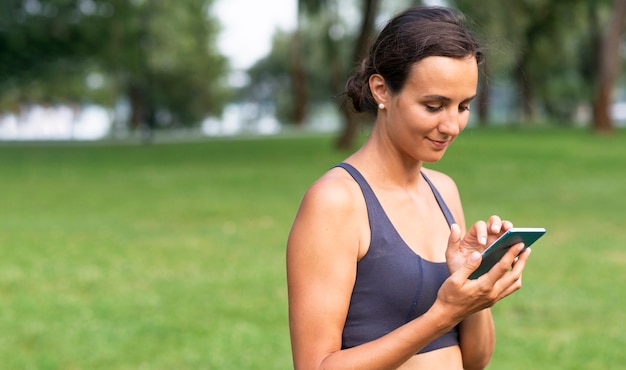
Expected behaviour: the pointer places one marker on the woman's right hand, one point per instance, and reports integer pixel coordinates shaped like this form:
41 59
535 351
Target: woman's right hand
477 238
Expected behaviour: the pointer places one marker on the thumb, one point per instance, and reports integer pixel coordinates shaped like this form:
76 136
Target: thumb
472 262
454 239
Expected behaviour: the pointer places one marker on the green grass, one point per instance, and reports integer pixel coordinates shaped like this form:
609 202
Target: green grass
172 256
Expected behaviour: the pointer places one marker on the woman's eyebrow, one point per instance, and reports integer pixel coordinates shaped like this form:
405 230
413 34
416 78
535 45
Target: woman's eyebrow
437 97
445 98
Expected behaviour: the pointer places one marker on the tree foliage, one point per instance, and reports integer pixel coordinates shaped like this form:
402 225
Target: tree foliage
546 48
160 55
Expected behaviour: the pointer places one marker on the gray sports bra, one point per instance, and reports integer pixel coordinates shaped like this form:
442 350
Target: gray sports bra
393 284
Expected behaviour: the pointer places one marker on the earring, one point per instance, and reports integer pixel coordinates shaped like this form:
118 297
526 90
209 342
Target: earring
381 106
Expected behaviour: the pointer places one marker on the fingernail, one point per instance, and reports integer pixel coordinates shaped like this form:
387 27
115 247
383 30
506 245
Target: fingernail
521 247
483 240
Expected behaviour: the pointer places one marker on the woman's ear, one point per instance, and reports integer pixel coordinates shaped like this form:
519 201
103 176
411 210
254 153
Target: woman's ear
378 87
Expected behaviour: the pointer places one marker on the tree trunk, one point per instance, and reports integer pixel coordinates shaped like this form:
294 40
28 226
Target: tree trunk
298 80
609 68
482 100
351 119
137 103
525 89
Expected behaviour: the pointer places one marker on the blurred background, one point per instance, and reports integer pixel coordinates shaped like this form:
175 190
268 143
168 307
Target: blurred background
120 69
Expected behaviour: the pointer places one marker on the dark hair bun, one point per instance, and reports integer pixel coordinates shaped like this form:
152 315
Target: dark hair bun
358 90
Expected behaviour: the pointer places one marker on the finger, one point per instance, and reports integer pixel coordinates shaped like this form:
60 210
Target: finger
510 267
454 240
511 257
513 279
520 261
511 288
526 251
509 281
499 269
470 265
479 229
506 225
455 234
495 224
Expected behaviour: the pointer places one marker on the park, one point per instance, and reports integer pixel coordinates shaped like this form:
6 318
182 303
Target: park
169 253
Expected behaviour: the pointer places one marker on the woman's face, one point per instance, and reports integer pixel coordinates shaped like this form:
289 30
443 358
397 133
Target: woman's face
432 108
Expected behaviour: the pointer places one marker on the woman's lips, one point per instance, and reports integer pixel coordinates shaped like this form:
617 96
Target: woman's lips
439 144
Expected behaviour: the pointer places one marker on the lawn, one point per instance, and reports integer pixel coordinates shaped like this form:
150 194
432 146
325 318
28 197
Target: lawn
171 256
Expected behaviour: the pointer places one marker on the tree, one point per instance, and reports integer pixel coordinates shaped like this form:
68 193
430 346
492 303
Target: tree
548 48
164 60
321 55
609 61
542 61
306 9
316 61
158 54
44 52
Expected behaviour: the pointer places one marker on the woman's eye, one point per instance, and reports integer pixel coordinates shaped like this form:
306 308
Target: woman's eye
463 108
433 109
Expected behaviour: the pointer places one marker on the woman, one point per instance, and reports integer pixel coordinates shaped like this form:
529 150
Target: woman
378 257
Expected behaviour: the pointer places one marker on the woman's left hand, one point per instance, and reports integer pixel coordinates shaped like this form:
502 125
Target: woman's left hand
477 238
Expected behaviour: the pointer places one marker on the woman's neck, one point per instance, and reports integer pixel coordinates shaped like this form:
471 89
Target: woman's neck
385 165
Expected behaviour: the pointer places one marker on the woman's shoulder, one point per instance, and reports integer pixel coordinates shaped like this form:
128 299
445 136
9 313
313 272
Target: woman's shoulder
335 189
441 181
330 215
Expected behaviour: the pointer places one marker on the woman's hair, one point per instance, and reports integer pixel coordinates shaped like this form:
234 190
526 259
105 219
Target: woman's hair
409 37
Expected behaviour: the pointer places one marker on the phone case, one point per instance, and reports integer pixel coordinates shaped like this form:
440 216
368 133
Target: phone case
493 254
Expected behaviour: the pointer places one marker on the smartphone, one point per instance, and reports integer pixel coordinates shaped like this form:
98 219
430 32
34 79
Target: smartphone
493 254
